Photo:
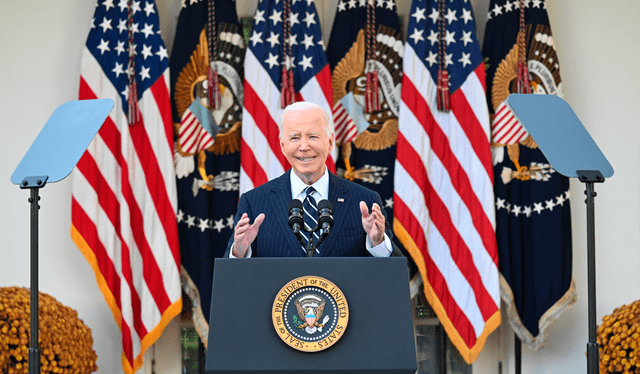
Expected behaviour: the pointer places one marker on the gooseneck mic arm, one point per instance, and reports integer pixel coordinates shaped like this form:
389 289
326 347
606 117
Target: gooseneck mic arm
296 220
325 219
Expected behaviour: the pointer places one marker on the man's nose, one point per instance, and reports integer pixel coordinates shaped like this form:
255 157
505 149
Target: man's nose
304 143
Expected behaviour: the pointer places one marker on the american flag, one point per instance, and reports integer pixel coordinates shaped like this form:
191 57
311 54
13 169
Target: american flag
443 201
261 158
123 213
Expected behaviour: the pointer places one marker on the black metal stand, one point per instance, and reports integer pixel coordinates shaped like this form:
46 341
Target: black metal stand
442 349
34 184
518 352
311 246
589 177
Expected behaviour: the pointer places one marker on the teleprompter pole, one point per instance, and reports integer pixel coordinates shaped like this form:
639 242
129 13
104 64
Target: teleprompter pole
34 184
589 177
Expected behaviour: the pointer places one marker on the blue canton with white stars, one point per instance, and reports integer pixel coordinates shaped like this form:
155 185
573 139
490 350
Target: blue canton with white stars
266 41
462 51
108 43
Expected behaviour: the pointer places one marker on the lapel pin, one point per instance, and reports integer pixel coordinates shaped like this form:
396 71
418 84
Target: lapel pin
340 200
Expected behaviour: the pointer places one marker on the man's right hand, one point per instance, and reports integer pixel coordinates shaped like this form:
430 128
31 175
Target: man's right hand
245 233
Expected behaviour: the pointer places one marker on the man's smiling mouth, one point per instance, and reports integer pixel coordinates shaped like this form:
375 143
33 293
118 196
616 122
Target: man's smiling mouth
304 159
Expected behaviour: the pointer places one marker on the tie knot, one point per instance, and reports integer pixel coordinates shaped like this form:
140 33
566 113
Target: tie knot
309 191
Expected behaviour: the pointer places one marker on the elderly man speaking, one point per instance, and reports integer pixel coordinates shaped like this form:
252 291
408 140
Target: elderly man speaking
261 223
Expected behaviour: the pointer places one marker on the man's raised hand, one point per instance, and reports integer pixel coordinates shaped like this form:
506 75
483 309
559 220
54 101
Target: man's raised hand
373 223
244 234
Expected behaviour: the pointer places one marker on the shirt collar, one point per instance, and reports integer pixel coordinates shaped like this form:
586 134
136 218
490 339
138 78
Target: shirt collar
321 186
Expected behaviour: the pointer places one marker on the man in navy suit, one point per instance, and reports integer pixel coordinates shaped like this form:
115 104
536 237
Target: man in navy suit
306 140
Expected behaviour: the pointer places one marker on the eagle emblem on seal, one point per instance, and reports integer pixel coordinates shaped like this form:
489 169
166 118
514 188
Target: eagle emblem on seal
310 310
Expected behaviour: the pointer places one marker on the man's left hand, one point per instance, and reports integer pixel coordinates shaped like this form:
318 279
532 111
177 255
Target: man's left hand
373 223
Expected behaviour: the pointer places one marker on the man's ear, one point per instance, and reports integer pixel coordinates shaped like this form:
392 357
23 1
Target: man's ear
332 141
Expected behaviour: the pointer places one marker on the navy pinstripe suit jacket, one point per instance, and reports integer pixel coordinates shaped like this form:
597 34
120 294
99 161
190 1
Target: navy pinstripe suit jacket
275 237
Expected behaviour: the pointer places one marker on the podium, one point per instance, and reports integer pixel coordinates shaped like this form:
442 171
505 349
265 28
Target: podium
378 337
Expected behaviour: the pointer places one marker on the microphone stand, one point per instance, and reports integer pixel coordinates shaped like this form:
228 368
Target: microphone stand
297 224
311 246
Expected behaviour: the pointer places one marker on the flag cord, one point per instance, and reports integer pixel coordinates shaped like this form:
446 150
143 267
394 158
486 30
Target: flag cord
215 99
372 101
287 89
133 115
523 85
443 99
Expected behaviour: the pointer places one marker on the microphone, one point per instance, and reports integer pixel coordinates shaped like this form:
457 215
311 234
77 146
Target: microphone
296 220
325 216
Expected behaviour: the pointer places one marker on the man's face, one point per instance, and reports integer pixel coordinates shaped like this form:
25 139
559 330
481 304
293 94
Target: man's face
305 143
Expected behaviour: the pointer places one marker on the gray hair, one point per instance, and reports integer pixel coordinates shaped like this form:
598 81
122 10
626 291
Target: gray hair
303 105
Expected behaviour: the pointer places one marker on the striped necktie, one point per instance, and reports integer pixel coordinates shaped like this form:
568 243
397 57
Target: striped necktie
310 213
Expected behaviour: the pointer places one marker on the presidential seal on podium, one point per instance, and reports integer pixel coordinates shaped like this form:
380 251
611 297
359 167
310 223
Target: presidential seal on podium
310 313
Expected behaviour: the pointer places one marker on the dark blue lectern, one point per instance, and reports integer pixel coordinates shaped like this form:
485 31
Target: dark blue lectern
378 339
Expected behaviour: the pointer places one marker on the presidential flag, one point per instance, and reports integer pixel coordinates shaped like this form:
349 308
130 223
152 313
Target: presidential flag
365 55
532 200
207 84
123 206
284 63
443 201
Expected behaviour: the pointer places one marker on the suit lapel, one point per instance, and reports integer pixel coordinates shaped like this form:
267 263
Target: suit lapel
281 195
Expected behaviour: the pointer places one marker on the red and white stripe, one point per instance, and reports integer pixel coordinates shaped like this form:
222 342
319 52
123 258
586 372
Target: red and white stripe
506 129
443 202
192 136
123 215
260 157
346 130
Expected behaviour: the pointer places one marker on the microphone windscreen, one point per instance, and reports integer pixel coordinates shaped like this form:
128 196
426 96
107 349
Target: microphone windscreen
325 204
295 203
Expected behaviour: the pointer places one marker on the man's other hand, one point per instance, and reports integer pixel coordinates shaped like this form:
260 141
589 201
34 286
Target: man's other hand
373 223
245 233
